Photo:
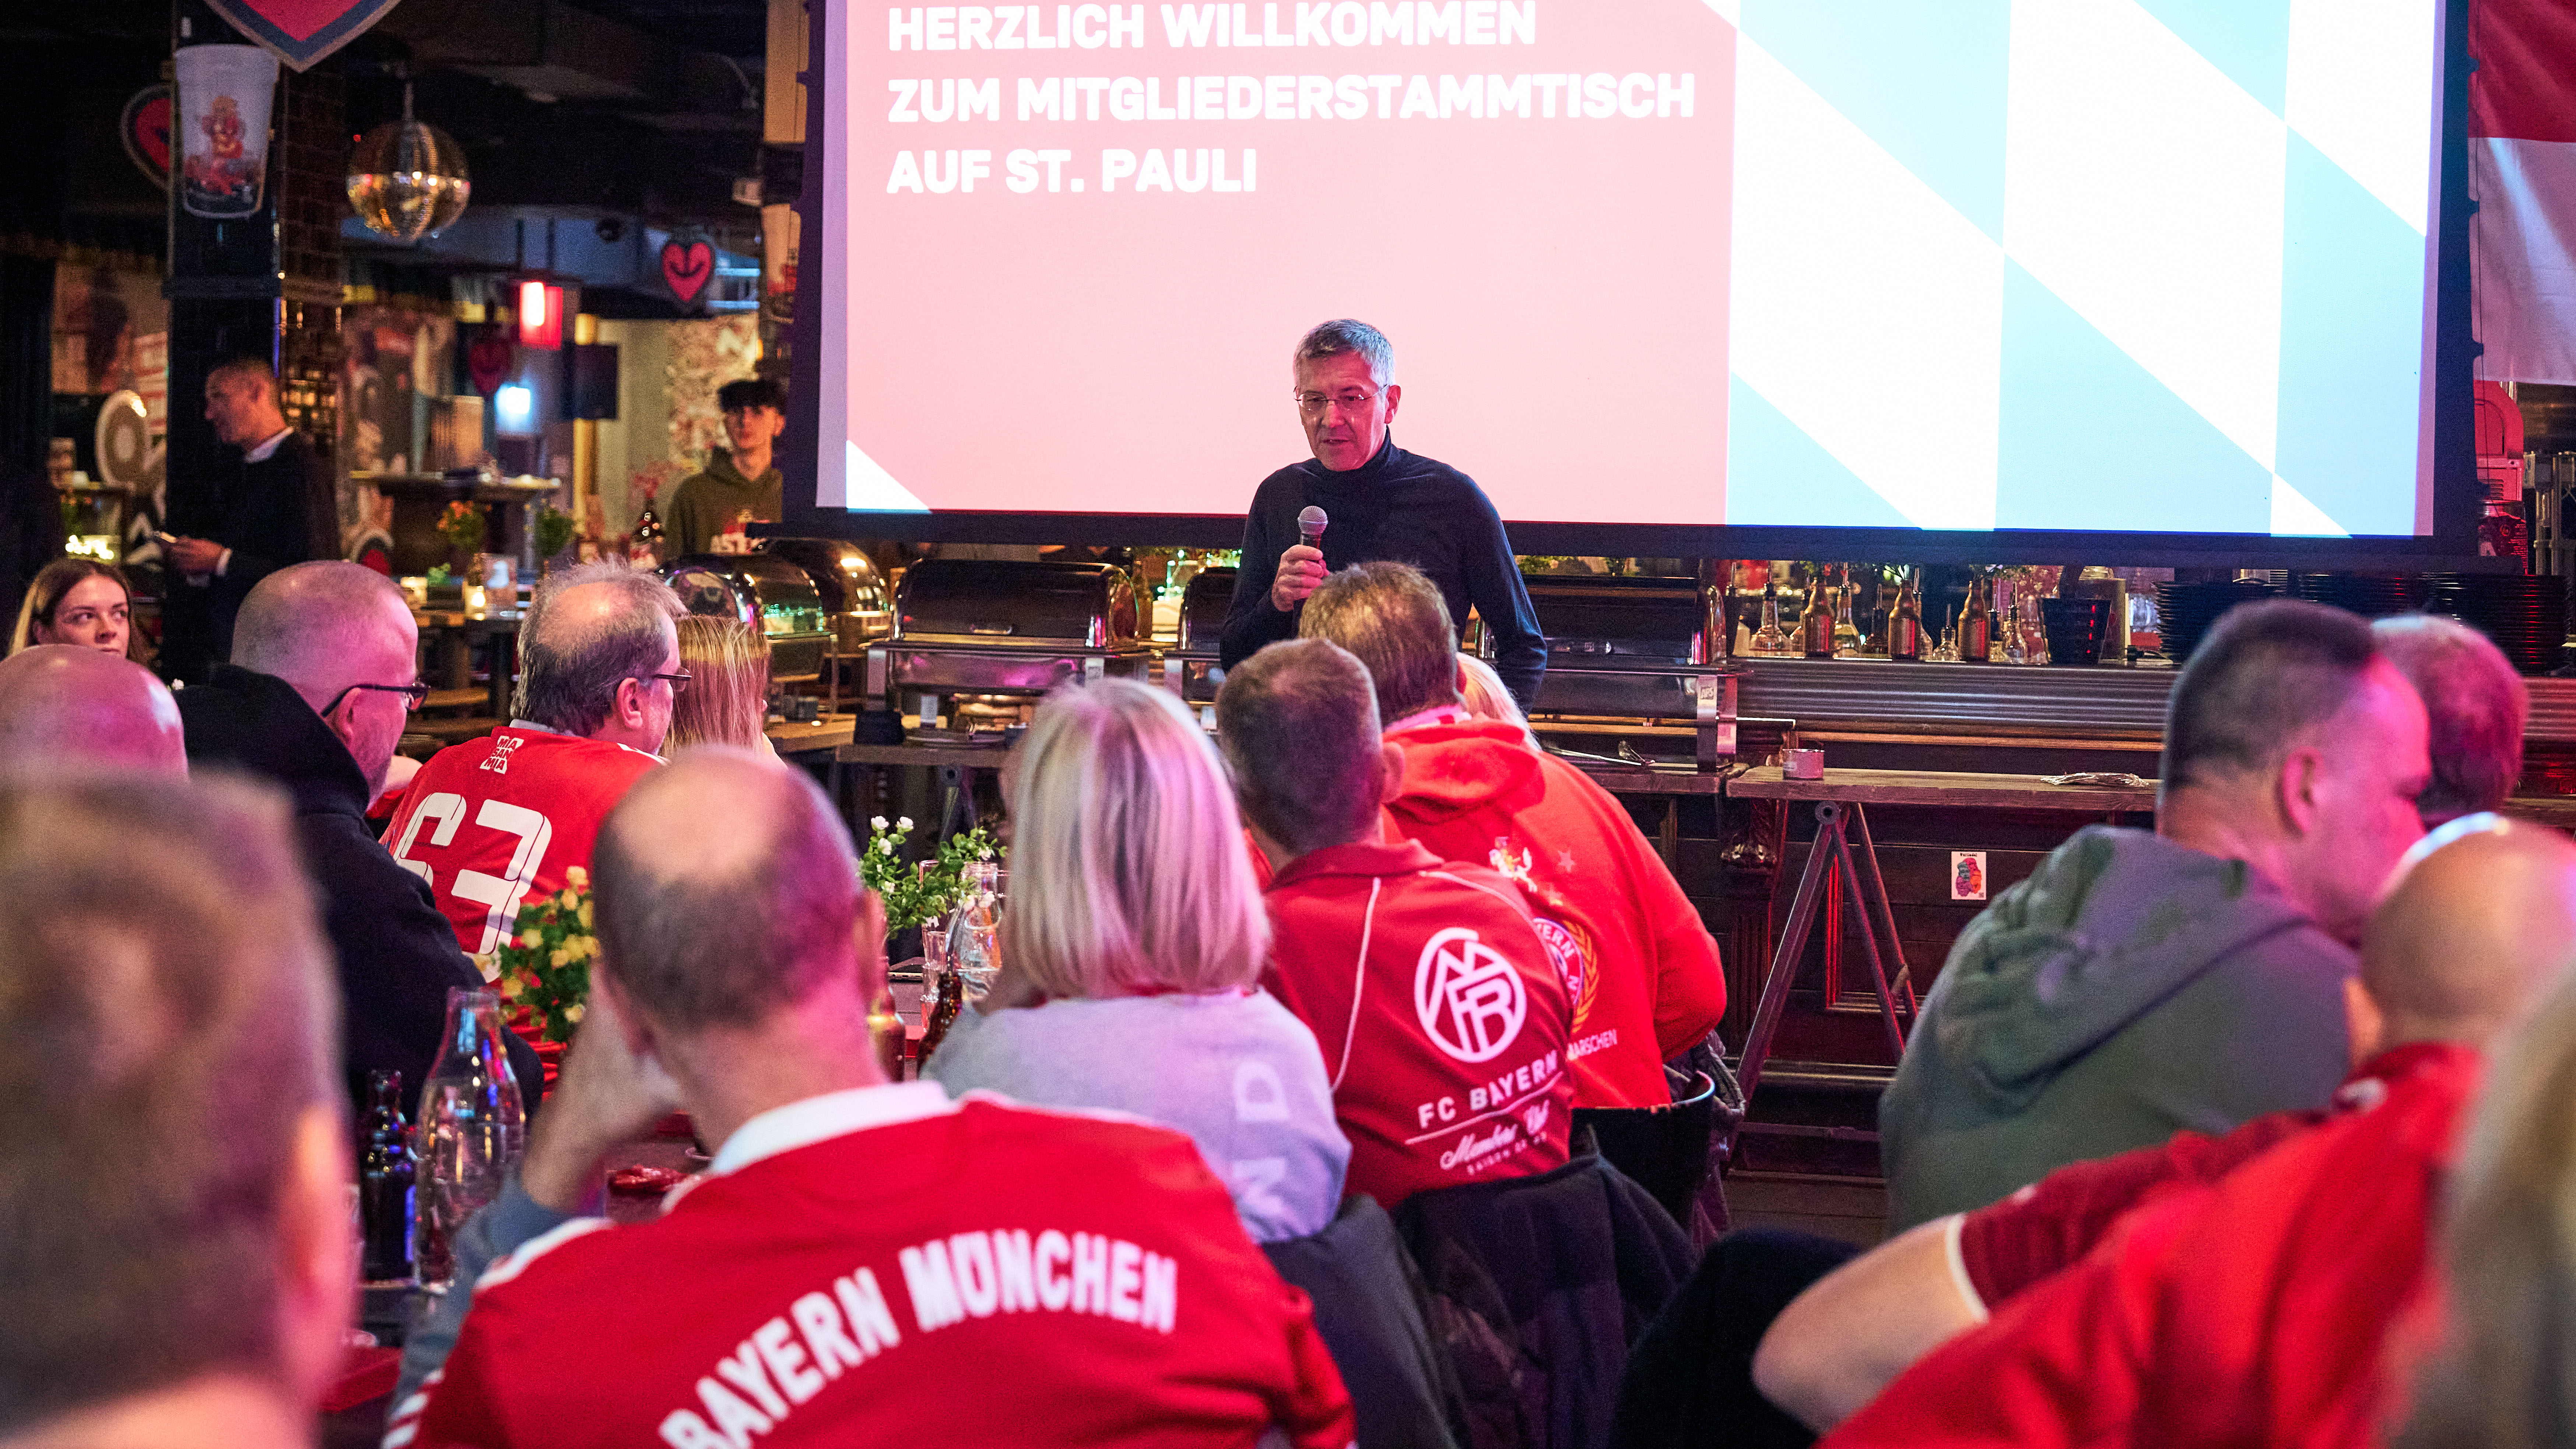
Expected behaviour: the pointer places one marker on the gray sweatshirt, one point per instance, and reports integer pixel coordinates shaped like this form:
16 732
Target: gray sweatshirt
2130 989
1234 1070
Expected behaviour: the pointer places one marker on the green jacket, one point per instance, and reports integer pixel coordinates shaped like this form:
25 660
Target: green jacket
2131 988
707 503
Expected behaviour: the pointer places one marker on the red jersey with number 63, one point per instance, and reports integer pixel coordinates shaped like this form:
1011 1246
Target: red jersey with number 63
1440 1013
491 820
886 1269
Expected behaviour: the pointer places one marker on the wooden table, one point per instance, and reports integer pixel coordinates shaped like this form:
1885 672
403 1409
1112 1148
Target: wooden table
1843 849
457 631
819 739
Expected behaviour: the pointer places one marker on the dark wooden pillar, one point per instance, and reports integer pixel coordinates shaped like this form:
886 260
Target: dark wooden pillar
265 286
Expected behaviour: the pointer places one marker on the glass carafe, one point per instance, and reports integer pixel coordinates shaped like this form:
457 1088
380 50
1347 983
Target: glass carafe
470 1130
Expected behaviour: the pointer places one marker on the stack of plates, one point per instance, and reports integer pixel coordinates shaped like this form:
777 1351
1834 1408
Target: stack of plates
2187 611
2525 615
2370 595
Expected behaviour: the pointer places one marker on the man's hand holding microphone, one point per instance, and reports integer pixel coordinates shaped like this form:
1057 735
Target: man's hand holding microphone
1301 568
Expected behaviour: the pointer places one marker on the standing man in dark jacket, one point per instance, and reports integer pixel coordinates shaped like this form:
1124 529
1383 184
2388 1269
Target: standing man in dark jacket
1382 503
239 524
321 684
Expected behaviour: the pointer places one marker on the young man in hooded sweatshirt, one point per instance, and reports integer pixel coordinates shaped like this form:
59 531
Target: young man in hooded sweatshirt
2191 978
1641 969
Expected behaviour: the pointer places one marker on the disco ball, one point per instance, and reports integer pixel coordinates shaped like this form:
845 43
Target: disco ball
407 179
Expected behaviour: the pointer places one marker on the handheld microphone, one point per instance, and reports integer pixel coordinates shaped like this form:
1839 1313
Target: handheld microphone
1310 526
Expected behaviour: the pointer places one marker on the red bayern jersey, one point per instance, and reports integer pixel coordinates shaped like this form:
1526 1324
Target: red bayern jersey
2256 1310
1648 982
488 821
1441 1017
883 1267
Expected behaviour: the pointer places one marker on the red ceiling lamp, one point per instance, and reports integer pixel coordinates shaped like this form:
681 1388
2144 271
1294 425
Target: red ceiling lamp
541 315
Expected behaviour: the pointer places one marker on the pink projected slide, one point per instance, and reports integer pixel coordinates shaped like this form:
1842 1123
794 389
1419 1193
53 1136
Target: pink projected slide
1071 247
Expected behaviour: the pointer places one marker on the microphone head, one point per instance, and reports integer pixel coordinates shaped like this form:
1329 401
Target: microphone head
1310 523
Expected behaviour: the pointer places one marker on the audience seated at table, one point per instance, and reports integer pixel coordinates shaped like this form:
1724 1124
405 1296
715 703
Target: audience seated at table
2475 704
1131 949
176 1261
863 1264
2143 983
489 821
61 704
2255 1308
1642 969
1442 1020
320 687
727 701
78 601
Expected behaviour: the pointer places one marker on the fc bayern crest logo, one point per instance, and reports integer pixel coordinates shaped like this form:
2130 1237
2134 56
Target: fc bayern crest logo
1469 999
1565 952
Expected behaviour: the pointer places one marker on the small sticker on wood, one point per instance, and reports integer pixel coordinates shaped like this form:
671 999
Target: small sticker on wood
1967 875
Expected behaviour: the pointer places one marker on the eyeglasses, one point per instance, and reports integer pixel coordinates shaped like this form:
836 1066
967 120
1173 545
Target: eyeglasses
679 682
413 695
1312 403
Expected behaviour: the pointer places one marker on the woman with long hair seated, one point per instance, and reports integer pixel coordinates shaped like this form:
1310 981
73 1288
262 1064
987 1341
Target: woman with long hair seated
727 701
76 601
1131 944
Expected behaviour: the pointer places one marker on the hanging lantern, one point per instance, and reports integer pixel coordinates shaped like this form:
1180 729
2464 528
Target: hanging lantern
407 179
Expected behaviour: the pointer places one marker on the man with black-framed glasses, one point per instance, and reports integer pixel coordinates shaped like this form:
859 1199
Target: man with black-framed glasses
1381 503
318 692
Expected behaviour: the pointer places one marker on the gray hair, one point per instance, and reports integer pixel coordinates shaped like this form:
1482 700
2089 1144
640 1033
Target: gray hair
2477 704
1346 334
311 619
2264 676
569 671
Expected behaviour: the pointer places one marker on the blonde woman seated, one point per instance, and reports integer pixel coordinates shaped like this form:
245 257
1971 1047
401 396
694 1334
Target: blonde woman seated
76 601
1483 692
1131 943
727 701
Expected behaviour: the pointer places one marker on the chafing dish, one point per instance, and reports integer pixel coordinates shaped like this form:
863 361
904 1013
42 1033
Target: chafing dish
770 592
1190 666
997 628
1637 649
853 592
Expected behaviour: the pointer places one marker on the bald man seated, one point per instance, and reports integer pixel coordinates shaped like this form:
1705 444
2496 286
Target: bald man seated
2212 1289
321 683
863 1264
63 704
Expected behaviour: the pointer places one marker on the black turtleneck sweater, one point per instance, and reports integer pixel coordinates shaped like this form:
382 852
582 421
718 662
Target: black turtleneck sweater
1400 506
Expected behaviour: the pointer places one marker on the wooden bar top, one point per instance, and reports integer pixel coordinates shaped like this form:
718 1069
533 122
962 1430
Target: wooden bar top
1923 787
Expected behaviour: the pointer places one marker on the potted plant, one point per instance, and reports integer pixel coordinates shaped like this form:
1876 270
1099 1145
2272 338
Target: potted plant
462 526
916 894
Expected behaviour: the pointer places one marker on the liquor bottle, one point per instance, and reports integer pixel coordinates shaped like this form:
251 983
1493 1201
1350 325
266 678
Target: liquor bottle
1816 623
944 1006
1905 626
385 1182
1771 639
1846 633
1977 625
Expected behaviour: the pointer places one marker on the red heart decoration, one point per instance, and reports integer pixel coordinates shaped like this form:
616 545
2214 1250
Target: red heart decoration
301 32
686 267
146 130
487 360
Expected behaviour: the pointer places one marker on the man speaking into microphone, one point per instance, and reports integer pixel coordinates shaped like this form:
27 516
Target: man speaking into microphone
1378 502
